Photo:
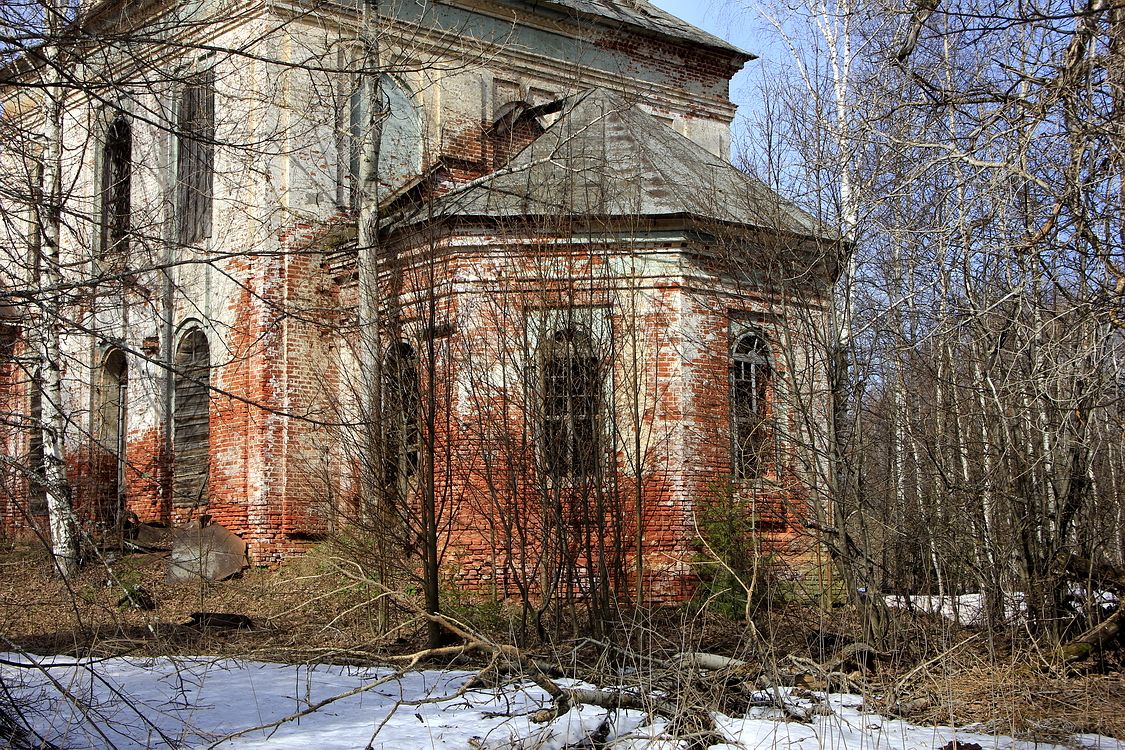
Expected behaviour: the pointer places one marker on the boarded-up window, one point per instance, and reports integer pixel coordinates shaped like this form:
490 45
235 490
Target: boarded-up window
195 167
572 394
116 193
401 403
750 379
191 421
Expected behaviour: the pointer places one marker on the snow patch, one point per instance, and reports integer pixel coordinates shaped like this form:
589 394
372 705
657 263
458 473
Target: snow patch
194 703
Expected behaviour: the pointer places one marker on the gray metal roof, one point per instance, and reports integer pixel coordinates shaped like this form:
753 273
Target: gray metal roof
645 15
605 157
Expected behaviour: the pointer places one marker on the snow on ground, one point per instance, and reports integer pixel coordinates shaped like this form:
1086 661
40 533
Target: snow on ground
194 702
968 609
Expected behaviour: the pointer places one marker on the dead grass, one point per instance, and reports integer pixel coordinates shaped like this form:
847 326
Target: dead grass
300 610
303 611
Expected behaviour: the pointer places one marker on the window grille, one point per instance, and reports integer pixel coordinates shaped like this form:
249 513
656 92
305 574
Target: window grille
750 382
572 438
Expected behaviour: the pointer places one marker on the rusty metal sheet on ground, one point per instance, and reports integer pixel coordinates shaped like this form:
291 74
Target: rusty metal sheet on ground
150 537
210 553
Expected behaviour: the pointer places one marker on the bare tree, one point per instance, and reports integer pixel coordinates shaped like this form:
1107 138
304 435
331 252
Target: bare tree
971 162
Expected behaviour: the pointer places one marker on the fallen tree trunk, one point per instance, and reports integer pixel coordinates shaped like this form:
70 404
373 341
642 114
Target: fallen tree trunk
711 662
1083 568
1093 640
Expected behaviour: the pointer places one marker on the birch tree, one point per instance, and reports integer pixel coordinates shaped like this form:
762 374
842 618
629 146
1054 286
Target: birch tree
988 287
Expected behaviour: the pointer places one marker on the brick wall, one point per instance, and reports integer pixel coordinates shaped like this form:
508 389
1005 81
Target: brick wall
507 520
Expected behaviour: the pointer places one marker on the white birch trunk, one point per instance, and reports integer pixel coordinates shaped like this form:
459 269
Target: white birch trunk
60 512
373 503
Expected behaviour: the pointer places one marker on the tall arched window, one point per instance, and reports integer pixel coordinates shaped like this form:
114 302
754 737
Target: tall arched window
400 142
109 410
37 477
109 431
116 191
191 419
401 403
750 382
195 159
572 394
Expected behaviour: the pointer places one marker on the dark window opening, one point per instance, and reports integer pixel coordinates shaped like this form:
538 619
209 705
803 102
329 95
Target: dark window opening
572 392
109 431
750 379
195 166
116 193
37 478
36 216
356 126
191 420
401 404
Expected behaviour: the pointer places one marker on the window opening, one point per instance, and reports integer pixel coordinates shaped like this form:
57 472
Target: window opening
401 404
116 191
195 166
37 479
572 389
110 432
191 419
750 379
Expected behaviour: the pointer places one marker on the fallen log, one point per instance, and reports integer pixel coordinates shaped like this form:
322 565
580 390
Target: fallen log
854 657
709 662
1093 640
220 621
1085 569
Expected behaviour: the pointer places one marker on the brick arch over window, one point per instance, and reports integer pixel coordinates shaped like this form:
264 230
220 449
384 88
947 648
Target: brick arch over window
517 124
116 192
751 373
572 391
401 404
191 419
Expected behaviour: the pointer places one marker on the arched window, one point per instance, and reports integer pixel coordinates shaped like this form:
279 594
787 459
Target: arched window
572 439
191 420
116 192
401 403
400 142
109 431
109 409
195 159
750 382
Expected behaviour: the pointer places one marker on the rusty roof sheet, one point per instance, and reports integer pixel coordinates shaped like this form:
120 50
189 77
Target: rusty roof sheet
605 157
